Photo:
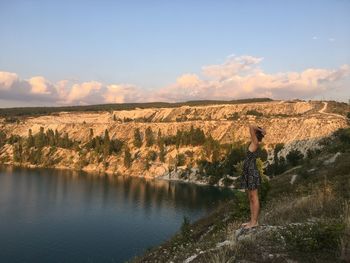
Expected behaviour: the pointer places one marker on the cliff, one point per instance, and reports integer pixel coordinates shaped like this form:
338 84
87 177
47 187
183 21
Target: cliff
297 124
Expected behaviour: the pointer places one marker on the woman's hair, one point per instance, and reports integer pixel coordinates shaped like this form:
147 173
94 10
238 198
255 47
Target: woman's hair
259 135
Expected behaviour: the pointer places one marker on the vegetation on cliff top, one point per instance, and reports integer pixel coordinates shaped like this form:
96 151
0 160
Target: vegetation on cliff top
31 111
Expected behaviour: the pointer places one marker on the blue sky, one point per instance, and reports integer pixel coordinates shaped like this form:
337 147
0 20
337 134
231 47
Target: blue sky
149 44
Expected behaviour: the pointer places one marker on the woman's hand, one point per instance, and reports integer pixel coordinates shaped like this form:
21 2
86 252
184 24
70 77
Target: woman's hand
254 127
262 131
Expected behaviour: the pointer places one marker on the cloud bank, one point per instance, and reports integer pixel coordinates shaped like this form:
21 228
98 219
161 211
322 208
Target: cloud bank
237 77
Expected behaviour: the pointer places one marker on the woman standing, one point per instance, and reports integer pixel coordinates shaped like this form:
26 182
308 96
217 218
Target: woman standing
251 179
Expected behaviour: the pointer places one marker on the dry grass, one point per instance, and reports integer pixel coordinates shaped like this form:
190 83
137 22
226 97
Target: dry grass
345 240
319 203
223 255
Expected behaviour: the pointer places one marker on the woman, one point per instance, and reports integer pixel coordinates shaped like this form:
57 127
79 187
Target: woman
250 179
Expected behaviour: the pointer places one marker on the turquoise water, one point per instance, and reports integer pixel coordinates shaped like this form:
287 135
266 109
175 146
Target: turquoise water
51 215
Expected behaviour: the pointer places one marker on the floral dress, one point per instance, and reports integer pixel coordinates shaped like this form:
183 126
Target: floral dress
250 178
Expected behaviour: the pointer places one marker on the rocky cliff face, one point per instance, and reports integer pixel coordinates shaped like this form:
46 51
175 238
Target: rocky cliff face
296 124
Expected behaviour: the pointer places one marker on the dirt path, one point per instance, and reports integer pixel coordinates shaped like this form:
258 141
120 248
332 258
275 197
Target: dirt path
322 111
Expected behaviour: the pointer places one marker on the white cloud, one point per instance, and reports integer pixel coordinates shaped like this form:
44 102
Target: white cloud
7 79
232 66
241 77
39 85
79 92
237 77
121 93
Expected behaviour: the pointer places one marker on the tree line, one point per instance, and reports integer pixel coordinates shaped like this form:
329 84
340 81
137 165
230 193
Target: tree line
30 111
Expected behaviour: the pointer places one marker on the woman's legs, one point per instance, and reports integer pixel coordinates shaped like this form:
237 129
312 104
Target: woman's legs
250 204
254 207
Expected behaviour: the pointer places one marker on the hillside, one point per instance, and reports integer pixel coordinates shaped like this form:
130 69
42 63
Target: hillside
78 137
305 217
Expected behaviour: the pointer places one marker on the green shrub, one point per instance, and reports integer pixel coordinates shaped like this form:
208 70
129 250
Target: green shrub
186 230
152 155
343 135
294 157
227 181
127 157
254 113
234 116
137 138
242 207
313 237
180 159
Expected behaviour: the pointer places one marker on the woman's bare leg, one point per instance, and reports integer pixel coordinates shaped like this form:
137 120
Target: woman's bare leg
254 208
250 205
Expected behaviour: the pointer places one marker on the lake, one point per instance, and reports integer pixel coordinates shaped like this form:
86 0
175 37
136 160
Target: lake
49 215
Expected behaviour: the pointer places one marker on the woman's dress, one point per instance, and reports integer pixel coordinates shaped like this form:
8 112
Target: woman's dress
250 178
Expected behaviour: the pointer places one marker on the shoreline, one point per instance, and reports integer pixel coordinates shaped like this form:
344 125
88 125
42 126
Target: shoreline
109 174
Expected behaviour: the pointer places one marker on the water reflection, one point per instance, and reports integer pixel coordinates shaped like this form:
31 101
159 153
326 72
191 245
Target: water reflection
83 214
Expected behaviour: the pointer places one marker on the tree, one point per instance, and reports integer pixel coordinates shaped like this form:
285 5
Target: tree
160 140
137 138
30 139
17 152
162 153
57 137
277 149
294 157
116 146
263 153
147 165
149 137
127 157
180 159
50 137
212 149
178 138
91 134
152 155
40 138
106 144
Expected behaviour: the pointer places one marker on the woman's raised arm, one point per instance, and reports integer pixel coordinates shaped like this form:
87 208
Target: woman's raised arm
252 129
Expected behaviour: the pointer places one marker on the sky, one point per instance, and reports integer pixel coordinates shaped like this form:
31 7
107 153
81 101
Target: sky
91 52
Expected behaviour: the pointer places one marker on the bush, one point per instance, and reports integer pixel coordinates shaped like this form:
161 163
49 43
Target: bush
254 113
180 159
186 230
265 185
152 156
227 181
343 135
127 157
234 116
313 238
294 157
137 138
149 137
